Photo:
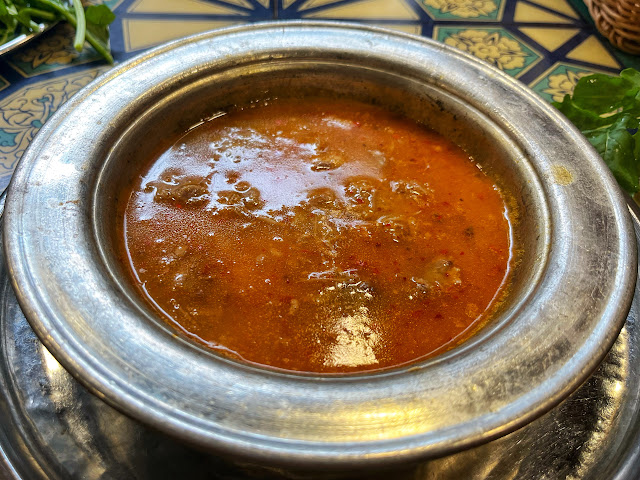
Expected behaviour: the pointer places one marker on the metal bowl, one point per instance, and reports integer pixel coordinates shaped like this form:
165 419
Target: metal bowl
570 291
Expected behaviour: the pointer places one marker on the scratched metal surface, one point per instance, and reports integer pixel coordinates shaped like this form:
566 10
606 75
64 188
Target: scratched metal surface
53 428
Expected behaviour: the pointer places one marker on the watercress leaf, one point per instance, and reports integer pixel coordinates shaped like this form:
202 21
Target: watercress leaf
601 93
631 102
581 118
98 19
99 15
631 75
24 18
626 121
101 34
617 147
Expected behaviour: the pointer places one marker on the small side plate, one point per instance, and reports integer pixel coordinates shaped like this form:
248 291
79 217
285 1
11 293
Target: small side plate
20 40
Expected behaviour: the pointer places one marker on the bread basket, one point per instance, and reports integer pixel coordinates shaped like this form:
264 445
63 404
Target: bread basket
619 21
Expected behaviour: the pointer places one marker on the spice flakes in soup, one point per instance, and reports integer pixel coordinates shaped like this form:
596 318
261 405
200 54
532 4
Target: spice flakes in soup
318 236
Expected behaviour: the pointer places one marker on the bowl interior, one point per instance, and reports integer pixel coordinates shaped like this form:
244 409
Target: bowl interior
160 124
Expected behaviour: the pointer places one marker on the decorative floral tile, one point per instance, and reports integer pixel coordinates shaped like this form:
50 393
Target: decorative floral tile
559 81
470 10
23 113
493 45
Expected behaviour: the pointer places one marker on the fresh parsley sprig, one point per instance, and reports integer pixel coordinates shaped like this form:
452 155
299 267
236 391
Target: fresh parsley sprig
19 17
607 111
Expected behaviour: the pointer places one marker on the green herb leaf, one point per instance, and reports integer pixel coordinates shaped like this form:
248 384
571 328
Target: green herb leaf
631 75
607 111
99 15
17 17
581 118
618 148
601 93
100 27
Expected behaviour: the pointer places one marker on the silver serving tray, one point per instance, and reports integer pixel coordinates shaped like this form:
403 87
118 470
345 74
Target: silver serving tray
51 427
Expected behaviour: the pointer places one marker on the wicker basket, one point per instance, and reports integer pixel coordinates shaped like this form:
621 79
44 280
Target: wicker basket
619 21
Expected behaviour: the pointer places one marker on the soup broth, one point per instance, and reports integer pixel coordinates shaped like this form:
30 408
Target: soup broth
322 235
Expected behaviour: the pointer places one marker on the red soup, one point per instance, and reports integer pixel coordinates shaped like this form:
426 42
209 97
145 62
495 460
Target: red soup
318 236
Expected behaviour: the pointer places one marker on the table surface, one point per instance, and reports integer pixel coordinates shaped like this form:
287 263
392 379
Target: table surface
547 44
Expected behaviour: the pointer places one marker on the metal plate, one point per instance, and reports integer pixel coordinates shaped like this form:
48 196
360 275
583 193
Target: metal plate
52 428
21 40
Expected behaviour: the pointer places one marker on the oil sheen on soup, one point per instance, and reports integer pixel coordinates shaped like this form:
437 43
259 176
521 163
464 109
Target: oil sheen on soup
321 235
